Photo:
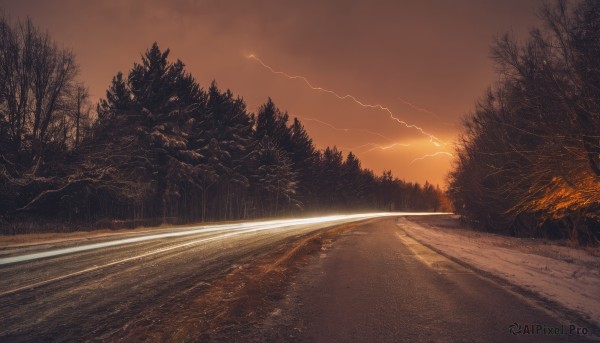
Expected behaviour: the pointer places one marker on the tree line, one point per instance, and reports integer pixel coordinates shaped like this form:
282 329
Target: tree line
160 148
529 158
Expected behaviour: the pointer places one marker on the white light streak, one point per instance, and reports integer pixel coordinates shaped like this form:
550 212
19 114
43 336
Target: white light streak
431 155
229 228
433 139
420 109
345 129
383 147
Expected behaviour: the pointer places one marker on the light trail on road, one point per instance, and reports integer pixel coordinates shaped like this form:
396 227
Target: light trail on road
138 275
223 233
96 267
239 228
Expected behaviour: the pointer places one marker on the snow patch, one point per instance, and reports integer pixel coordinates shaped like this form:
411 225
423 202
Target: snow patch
568 276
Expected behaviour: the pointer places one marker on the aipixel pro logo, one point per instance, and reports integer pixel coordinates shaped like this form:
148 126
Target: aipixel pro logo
540 329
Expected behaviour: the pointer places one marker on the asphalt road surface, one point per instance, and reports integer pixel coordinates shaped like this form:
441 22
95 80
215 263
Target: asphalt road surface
78 291
376 284
373 284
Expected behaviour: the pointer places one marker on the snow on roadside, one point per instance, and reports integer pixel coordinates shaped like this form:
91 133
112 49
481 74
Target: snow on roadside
568 276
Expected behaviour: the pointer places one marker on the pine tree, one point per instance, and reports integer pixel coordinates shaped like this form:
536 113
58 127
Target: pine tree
274 181
118 99
329 183
272 123
231 126
353 189
304 158
152 112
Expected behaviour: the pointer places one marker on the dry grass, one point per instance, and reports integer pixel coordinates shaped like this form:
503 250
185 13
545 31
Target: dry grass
564 196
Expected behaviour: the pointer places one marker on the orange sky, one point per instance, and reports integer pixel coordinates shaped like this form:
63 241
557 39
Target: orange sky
433 54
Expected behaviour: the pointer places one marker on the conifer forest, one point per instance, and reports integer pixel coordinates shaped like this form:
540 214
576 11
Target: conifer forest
161 148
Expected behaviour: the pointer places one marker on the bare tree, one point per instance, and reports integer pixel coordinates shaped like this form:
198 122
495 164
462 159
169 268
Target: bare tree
529 160
81 113
37 79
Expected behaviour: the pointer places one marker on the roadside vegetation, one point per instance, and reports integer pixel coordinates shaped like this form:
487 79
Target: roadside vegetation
159 148
528 161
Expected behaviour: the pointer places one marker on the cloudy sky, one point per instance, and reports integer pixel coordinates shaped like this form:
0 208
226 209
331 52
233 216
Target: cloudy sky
422 62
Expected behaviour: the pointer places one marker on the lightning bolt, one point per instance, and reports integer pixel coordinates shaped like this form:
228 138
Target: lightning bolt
345 129
431 155
354 149
374 146
383 147
424 110
420 109
433 139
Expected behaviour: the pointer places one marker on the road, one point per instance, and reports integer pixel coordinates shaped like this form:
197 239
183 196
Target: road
367 283
76 290
376 284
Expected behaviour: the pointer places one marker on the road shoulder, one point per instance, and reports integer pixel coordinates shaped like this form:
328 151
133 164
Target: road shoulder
565 279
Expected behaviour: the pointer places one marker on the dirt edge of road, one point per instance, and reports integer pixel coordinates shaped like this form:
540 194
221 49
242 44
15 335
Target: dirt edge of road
555 309
235 305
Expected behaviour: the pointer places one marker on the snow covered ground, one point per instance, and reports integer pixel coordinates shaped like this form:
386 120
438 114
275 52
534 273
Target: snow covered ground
565 275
